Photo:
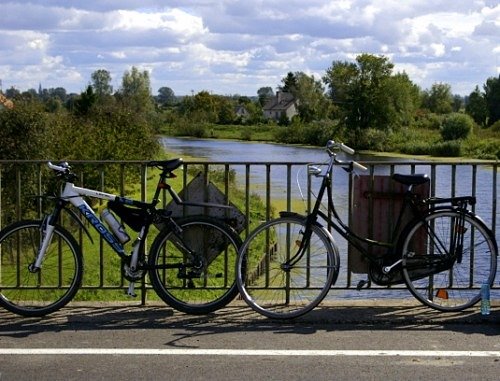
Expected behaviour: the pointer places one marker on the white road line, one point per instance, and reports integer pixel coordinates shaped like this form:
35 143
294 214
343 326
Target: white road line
242 352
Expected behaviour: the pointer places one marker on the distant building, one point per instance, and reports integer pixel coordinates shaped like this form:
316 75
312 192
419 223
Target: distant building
283 104
242 112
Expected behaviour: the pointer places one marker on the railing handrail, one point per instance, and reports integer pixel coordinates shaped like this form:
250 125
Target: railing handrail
492 215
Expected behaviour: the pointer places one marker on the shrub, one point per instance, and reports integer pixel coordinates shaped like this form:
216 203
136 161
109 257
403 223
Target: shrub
415 147
371 139
450 148
456 126
185 127
246 134
429 121
488 149
495 127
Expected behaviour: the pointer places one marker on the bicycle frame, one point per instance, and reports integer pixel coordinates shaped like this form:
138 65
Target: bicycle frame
410 201
74 195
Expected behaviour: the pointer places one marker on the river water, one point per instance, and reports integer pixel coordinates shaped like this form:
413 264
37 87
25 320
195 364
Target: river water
459 181
236 151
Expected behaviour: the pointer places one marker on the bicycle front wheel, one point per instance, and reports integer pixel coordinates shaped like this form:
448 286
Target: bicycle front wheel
443 271
29 292
274 280
193 270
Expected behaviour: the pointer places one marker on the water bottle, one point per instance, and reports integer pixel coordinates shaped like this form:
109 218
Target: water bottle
485 299
115 226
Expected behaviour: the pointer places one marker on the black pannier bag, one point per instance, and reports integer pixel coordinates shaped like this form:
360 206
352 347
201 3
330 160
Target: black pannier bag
133 217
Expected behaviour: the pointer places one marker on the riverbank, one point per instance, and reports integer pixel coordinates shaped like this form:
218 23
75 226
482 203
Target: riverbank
481 143
375 154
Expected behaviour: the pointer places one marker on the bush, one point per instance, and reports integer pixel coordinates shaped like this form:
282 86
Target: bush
416 148
495 127
456 126
488 149
429 121
370 139
185 127
315 133
451 148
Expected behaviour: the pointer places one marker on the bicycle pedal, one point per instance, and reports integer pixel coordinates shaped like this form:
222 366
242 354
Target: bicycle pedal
363 283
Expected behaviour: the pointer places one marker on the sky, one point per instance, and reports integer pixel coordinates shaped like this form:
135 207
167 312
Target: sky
233 47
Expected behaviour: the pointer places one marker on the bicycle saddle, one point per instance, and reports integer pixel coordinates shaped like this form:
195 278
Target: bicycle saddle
166 165
411 179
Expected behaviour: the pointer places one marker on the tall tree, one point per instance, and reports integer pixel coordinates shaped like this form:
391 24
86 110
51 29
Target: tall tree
166 96
289 83
340 78
361 91
439 98
84 103
101 83
477 107
310 95
492 96
264 94
136 90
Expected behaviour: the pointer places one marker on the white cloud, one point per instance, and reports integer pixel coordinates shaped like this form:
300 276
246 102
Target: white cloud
237 46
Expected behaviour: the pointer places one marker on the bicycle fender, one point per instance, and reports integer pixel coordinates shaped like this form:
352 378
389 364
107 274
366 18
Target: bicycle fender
74 216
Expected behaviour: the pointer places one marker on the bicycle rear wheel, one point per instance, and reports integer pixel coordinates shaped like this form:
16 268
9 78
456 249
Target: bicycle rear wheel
269 280
458 276
40 292
195 290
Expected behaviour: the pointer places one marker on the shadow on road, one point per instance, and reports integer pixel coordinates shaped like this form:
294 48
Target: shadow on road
239 318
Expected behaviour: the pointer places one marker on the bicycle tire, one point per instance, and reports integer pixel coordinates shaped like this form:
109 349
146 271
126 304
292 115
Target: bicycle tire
273 291
216 286
35 294
456 287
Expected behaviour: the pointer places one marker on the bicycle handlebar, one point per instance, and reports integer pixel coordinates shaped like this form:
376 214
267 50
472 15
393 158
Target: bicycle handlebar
359 167
332 146
63 167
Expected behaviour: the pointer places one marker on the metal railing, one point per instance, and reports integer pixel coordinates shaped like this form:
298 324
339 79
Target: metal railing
258 189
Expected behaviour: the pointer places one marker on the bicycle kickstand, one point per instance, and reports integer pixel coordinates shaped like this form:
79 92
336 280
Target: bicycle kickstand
131 290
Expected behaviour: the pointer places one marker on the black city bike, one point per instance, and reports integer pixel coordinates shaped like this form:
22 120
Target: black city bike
190 263
444 254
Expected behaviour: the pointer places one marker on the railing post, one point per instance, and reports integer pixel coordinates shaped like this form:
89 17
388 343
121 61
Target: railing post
144 176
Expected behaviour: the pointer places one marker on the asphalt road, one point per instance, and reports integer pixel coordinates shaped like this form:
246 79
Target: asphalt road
360 341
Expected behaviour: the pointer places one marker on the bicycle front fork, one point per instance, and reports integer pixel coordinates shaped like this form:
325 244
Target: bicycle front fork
47 231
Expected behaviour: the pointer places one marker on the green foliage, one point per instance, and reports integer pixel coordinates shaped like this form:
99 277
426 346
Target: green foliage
315 133
429 121
488 149
492 97
264 94
370 139
246 134
166 96
84 103
449 148
185 127
23 137
456 126
135 92
438 99
495 127
368 96
23 132
477 107
101 83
